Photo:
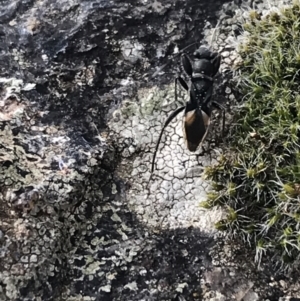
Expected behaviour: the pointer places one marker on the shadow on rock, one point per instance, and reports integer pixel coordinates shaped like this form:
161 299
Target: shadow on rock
118 259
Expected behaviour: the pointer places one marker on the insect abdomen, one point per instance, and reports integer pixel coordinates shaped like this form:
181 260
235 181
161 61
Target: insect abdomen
195 128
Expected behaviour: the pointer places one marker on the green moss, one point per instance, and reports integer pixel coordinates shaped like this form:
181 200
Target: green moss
205 205
258 178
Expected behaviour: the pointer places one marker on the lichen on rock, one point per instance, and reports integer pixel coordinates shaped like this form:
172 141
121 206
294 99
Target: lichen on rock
80 115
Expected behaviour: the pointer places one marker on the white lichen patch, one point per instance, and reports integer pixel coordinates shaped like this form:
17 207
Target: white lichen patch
72 234
131 286
106 288
132 51
92 268
36 161
171 198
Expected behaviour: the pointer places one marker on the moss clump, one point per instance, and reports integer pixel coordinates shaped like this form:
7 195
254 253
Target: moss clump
259 174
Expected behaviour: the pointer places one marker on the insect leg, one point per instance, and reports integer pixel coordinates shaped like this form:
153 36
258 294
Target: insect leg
216 63
187 65
183 84
170 118
162 67
218 106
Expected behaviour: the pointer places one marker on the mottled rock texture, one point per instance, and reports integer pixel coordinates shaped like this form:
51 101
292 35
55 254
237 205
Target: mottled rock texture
79 117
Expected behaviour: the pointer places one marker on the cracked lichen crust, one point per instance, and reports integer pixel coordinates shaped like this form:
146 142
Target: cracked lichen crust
171 197
38 193
70 225
66 232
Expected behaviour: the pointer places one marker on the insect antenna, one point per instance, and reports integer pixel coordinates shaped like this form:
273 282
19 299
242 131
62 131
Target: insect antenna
170 118
168 62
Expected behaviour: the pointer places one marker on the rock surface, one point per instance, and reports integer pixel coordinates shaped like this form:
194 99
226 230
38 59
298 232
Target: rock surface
80 113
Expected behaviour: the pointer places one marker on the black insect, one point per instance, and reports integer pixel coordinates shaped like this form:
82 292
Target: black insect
197 111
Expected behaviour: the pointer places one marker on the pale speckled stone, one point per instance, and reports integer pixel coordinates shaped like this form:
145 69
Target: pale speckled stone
251 296
24 259
174 163
33 258
225 54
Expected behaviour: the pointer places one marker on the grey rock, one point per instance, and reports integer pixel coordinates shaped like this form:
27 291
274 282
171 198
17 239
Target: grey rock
78 215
